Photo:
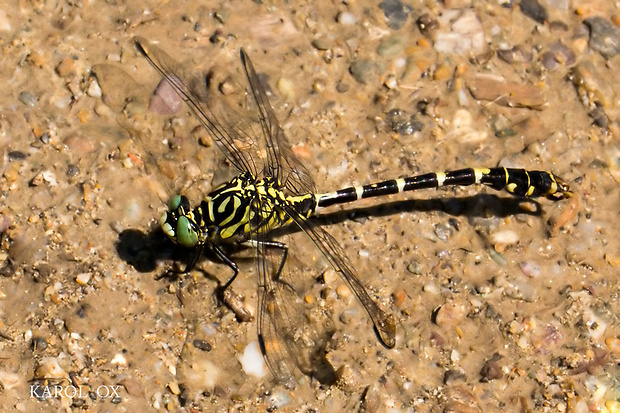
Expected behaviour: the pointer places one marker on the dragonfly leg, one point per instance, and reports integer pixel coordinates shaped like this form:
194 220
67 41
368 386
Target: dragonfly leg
228 261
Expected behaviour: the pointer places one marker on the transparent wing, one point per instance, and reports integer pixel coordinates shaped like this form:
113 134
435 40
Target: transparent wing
281 161
384 323
229 130
292 333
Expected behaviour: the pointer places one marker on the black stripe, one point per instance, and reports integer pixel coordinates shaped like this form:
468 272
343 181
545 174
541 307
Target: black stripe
426 181
382 188
341 197
462 177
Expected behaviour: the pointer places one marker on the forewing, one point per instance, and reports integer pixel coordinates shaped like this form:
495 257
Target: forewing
281 161
233 134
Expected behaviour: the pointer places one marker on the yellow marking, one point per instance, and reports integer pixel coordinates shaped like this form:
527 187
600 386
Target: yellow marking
223 205
554 187
210 211
511 188
441 178
479 173
530 191
400 184
506 178
529 181
230 231
359 190
230 217
167 228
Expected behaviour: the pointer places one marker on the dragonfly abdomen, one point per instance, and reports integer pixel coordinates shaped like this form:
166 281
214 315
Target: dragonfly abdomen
518 182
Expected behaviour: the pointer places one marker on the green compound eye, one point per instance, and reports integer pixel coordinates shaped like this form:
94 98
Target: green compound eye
185 235
174 202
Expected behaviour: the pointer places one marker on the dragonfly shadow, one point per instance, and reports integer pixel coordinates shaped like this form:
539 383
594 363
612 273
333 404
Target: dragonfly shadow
480 206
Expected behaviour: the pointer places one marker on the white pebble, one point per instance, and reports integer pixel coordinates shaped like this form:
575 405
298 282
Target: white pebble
347 18
505 237
120 360
83 278
252 361
94 90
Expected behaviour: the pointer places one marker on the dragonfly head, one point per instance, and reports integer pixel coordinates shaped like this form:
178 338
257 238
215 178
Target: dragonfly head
178 222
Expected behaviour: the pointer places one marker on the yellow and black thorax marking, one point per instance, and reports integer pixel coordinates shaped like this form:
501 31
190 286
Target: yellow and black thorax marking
245 205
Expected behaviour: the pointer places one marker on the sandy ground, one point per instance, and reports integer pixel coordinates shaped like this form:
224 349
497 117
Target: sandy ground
501 304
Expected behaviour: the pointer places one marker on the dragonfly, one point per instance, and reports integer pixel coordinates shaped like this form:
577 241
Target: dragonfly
274 190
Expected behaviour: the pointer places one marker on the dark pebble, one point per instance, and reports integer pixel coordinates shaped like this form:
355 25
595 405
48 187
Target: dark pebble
396 12
320 44
534 10
604 36
202 345
403 123
600 117
72 170
516 54
38 344
8 270
558 55
364 71
491 369
342 87
427 24
16 156
452 376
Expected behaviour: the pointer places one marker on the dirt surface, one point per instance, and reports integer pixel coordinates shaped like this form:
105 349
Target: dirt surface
501 304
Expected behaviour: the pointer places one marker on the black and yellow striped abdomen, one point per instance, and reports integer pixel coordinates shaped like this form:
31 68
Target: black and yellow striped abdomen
518 182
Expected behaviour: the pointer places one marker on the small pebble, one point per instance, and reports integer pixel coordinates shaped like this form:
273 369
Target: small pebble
391 46
94 90
343 292
16 156
450 314
83 278
506 237
604 36
365 71
286 88
165 100
120 360
252 361
66 68
396 12
534 10
202 345
460 33
27 99
174 388
346 18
